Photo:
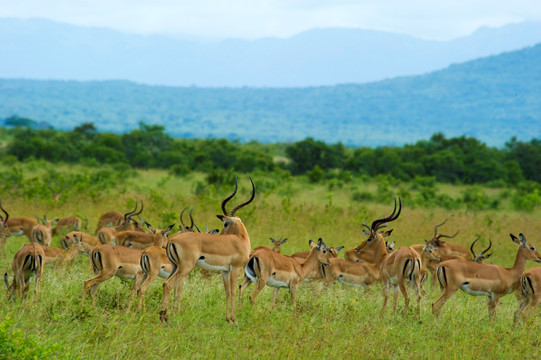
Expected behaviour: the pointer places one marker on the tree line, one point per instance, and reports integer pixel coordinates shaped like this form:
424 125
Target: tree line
458 160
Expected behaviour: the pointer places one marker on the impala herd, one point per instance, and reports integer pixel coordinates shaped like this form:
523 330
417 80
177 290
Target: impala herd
121 247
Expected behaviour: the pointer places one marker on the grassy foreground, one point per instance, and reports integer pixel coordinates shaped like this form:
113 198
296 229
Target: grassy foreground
337 322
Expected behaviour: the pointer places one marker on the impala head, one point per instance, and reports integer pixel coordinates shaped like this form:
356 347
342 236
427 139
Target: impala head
161 234
529 251
4 230
231 222
128 223
333 251
321 251
277 244
374 236
482 255
430 251
436 239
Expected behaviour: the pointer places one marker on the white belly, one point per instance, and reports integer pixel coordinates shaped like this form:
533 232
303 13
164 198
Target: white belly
467 290
203 265
277 284
341 281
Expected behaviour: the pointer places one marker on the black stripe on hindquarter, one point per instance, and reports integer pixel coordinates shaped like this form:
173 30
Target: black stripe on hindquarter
171 252
527 286
28 262
144 262
406 264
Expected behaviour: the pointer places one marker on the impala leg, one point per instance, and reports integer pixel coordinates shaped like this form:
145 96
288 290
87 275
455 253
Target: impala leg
36 285
492 305
145 283
243 286
226 275
404 291
526 300
234 273
175 279
261 282
293 292
134 290
446 294
91 285
274 295
385 288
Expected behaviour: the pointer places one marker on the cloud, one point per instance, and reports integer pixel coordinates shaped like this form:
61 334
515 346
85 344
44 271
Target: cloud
442 19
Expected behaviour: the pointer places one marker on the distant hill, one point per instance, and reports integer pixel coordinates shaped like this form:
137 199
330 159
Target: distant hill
42 49
492 99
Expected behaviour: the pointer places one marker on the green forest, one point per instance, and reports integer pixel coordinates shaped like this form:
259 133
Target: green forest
439 160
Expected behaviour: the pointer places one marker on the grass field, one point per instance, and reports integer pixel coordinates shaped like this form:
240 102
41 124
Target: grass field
337 322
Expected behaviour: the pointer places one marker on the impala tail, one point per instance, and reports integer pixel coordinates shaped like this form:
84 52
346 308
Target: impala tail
253 269
97 261
442 276
526 285
172 252
145 263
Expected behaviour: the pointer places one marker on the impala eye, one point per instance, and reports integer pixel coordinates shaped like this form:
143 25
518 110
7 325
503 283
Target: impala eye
532 248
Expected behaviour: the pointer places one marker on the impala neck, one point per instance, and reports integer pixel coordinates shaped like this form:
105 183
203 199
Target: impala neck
380 250
310 264
520 261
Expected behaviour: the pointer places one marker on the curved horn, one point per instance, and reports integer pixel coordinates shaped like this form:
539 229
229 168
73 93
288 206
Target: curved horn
247 202
447 236
471 248
230 196
488 248
365 224
376 224
4 220
129 213
140 211
181 221
436 228
193 225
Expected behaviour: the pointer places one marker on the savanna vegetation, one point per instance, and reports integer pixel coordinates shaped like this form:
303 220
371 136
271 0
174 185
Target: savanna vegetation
295 201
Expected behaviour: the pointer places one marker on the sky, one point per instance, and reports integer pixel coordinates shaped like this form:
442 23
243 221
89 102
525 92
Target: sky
252 19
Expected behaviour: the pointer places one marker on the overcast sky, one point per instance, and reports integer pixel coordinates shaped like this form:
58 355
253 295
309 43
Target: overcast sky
250 19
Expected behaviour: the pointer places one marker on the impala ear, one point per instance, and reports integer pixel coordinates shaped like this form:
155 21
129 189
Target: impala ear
273 240
221 217
283 241
339 248
522 240
515 239
366 232
311 243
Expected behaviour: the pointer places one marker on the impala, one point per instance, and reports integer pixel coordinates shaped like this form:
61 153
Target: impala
267 267
67 224
448 248
4 229
490 280
432 263
227 252
83 237
276 245
27 263
21 226
120 222
142 240
112 260
403 264
530 285
42 233
54 255
154 262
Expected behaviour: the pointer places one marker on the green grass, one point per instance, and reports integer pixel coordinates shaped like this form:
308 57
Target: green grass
336 322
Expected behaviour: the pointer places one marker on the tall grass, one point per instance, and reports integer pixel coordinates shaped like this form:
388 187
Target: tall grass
337 322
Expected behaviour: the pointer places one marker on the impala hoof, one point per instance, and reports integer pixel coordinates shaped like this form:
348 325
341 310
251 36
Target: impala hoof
164 317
